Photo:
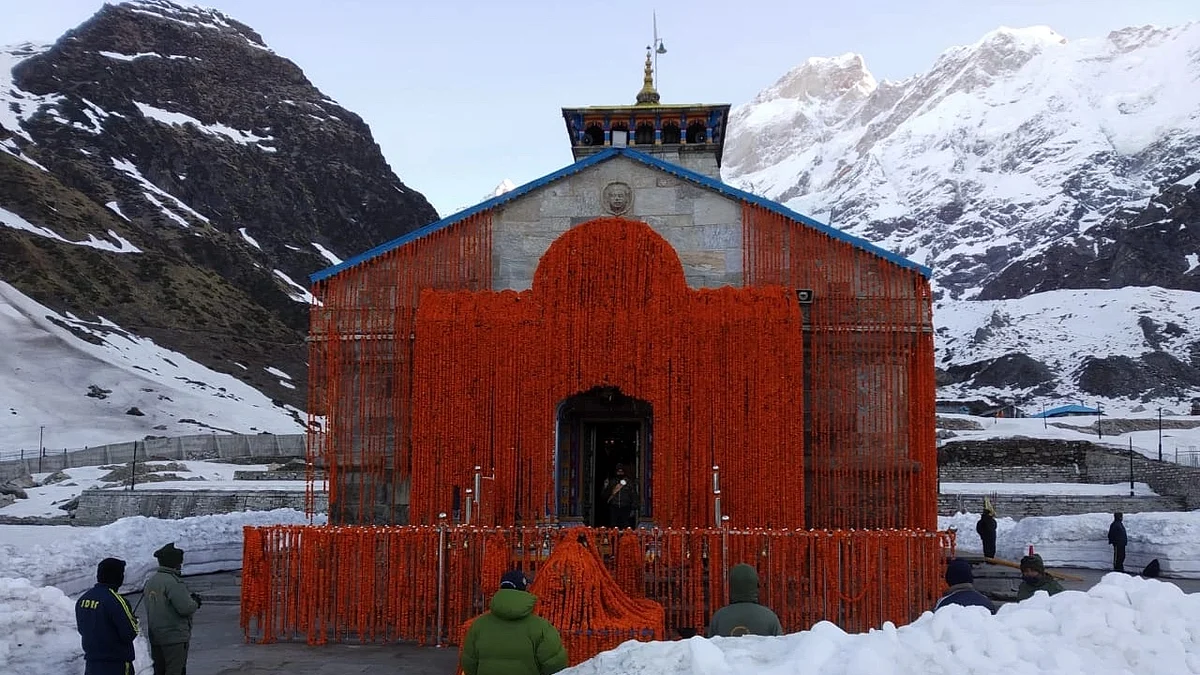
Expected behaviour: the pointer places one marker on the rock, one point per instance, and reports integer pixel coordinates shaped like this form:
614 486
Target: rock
135 411
26 481
298 169
71 505
55 478
97 392
957 423
13 491
6 500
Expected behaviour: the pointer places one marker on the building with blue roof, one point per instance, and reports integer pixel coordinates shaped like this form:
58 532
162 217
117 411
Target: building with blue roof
633 309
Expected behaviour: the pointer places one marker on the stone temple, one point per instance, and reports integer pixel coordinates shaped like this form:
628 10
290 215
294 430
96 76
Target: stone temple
628 308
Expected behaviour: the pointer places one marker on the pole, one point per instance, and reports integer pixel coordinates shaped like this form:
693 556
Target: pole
1131 466
1160 433
1045 424
41 446
1099 434
470 501
441 584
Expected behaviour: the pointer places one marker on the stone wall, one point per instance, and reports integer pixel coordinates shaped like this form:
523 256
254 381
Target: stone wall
275 475
1011 474
703 226
1020 506
1025 460
100 507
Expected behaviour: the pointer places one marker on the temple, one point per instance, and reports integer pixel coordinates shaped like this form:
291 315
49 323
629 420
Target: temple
764 381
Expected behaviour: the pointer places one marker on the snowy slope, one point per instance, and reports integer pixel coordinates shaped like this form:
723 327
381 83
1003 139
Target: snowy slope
1004 153
1000 146
46 369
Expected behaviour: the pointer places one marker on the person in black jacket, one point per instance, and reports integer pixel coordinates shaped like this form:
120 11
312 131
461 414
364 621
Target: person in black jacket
962 588
1118 539
986 527
106 624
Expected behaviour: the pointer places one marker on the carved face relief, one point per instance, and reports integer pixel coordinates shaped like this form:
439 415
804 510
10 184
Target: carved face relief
617 198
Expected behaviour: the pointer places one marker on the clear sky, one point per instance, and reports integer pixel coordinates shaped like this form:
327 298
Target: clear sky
461 94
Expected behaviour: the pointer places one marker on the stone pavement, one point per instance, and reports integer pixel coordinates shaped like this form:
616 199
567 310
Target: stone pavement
219 648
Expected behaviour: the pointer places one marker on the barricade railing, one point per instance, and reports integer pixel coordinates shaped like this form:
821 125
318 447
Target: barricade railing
420 583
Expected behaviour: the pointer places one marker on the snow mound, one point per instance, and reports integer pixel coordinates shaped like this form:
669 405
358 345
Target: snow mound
1082 540
1122 625
211 544
39 635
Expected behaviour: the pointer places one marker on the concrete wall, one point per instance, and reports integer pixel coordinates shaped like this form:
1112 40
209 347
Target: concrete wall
199 446
704 227
99 507
1020 506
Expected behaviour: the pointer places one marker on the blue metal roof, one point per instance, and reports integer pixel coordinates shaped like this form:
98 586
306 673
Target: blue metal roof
602 156
1073 409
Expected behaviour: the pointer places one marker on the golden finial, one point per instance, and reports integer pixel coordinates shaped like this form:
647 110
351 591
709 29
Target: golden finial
648 95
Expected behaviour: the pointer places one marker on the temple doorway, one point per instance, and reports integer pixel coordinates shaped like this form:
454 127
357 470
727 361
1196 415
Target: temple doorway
598 430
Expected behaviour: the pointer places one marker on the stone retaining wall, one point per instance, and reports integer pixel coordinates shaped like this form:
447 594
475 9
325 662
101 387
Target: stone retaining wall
100 507
275 475
1012 474
1020 506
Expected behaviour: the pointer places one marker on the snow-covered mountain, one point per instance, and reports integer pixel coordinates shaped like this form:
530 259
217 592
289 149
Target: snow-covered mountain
505 185
170 181
1024 163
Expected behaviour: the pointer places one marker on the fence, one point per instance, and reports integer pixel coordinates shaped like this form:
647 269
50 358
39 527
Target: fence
382 584
198 446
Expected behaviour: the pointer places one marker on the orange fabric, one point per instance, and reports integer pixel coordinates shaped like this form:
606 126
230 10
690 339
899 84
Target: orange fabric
380 584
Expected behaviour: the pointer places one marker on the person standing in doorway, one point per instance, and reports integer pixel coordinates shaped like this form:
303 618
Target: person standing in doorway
620 493
169 610
986 527
105 623
1117 538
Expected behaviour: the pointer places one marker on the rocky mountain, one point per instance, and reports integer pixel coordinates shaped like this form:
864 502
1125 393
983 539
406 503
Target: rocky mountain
163 171
1019 167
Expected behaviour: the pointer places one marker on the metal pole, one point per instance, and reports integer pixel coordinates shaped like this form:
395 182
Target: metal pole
1130 466
1099 434
478 480
1160 433
1045 424
41 446
470 500
441 585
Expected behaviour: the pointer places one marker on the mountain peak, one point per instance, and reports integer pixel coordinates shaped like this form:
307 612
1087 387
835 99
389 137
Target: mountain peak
824 78
193 16
1029 36
505 186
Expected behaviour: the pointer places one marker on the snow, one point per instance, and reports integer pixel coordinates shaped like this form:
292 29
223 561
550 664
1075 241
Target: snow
990 134
327 254
10 146
248 238
1075 429
149 189
1082 540
17 105
505 186
10 219
115 208
216 129
1080 489
277 372
1122 625
39 634
45 372
1193 260
143 55
1061 329
166 211
296 291
211 543
1190 180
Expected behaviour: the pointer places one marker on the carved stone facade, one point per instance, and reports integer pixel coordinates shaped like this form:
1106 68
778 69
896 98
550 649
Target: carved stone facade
703 226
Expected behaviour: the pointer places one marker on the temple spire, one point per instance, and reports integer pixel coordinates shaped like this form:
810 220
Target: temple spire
648 95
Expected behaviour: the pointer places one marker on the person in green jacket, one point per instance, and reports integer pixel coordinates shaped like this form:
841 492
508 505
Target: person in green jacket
511 639
169 610
1034 578
743 615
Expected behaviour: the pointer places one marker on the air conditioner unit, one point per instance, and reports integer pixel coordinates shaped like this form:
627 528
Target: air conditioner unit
620 138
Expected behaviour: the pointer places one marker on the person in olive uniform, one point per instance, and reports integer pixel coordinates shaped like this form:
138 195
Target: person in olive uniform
1034 578
743 615
169 610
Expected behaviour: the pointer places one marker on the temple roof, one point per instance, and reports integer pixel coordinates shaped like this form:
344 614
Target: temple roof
643 158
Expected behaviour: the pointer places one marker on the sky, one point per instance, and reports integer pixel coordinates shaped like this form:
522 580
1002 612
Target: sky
462 94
